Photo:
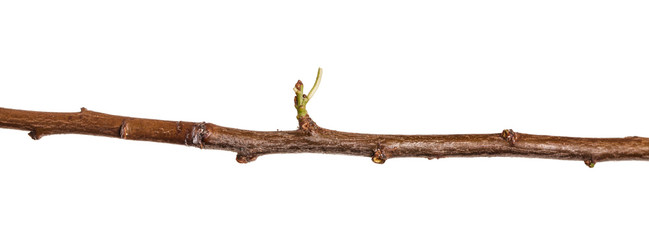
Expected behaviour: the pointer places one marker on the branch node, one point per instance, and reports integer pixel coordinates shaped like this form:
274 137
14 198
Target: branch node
246 158
307 125
196 136
379 156
590 163
35 134
510 136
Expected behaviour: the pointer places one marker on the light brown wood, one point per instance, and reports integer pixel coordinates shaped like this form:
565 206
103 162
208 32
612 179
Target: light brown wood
311 138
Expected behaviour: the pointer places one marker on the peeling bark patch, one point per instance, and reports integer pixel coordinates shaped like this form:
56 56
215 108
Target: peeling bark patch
123 129
179 128
198 133
510 136
244 158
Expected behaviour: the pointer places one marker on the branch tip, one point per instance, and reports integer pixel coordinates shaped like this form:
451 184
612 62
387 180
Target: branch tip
299 86
302 99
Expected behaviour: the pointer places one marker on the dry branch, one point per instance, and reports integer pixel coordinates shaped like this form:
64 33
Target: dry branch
311 138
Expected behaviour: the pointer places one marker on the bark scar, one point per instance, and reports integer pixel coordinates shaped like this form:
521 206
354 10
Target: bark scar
196 136
510 136
179 128
123 129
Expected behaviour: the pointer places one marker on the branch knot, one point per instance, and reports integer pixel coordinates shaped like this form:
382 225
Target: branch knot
380 155
510 136
307 125
246 158
590 162
35 134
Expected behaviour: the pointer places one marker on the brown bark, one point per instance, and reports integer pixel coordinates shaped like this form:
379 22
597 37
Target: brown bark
309 137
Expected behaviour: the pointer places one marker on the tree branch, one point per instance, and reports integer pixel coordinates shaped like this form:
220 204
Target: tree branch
310 138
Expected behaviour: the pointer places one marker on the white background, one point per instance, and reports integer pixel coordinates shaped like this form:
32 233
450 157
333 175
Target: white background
571 68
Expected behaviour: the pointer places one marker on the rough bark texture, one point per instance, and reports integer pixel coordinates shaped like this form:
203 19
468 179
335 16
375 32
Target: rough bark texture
309 137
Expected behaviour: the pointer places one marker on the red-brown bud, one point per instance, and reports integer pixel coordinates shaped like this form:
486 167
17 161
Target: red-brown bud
299 85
